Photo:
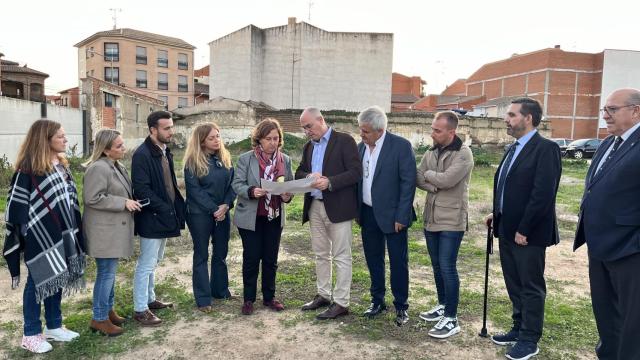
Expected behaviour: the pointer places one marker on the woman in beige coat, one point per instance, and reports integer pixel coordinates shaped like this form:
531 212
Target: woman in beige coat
108 228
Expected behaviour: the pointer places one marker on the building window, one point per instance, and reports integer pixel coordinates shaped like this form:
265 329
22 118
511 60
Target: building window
183 85
141 78
163 81
111 52
141 55
112 75
183 102
163 58
109 100
164 99
183 62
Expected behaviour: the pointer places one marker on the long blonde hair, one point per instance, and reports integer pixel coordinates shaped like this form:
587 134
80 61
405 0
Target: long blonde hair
195 158
104 141
35 152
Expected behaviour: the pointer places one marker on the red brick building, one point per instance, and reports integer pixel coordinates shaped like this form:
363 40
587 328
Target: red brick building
567 84
405 91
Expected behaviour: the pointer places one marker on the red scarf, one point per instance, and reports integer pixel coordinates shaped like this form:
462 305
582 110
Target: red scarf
270 169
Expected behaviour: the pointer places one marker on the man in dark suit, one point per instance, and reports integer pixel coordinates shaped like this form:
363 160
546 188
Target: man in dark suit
386 209
610 225
331 157
524 219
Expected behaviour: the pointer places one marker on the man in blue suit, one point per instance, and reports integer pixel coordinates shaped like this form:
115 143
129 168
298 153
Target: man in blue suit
610 225
386 194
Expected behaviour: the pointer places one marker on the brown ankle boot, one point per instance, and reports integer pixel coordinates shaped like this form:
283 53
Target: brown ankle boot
115 319
105 327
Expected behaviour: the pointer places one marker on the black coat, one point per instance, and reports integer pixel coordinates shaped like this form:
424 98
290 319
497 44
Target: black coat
529 201
160 219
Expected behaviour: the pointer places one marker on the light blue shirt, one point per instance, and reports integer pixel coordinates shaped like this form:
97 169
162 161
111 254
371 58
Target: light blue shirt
521 143
317 158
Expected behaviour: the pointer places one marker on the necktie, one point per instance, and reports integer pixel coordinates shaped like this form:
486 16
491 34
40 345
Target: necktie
505 169
616 145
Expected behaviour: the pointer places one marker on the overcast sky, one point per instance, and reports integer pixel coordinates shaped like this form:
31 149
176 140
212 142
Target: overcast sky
440 41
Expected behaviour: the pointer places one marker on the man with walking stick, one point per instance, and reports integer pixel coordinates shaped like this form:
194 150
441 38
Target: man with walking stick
524 220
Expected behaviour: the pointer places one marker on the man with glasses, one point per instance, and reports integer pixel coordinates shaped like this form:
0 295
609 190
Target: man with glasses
524 220
386 197
331 157
610 225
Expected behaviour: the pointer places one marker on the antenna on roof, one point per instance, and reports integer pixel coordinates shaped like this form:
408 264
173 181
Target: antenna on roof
114 16
310 6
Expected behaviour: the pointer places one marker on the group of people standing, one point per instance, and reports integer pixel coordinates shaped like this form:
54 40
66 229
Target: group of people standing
373 183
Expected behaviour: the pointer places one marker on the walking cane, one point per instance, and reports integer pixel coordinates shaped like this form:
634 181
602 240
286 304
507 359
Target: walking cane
483 331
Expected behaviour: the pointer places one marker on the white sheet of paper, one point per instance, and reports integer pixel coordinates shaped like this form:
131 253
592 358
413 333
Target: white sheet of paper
299 186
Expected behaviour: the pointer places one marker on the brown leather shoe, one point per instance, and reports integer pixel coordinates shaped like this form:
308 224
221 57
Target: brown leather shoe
205 309
274 305
105 327
317 302
146 318
116 319
333 312
247 308
157 305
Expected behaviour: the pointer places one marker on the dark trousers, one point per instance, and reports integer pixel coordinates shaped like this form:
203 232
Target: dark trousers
615 291
260 245
443 249
204 228
373 242
523 271
31 309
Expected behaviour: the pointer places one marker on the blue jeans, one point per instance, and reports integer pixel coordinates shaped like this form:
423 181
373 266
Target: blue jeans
31 310
151 252
443 249
103 289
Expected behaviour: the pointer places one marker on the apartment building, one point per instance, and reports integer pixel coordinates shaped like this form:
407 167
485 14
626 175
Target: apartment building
155 65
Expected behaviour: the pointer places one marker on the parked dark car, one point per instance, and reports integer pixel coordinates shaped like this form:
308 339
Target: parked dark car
582 148
563 143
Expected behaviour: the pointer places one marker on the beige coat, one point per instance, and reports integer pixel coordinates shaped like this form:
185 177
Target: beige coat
107 224
446 181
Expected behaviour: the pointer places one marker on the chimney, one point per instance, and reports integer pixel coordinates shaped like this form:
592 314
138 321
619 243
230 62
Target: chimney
556 47
292 21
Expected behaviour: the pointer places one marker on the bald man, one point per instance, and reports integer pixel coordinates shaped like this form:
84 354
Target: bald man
610 225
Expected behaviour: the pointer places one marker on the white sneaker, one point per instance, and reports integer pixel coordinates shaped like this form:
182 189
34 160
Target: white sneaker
444 328
434 314
36 344
60 334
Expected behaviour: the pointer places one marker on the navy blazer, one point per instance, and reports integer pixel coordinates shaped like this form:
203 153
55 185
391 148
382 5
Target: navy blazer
609 219
529 200
206 194
394 183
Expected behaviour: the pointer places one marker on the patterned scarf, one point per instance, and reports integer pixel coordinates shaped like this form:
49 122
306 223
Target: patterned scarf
43 220
271 169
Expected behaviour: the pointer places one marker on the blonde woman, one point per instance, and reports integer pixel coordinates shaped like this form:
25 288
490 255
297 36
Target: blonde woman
208 174
43 219
108 226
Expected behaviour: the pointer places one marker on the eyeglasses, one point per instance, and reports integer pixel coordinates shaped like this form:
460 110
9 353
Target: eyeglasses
613 109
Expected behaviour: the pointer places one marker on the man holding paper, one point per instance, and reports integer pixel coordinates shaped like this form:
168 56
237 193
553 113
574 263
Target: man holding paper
331 158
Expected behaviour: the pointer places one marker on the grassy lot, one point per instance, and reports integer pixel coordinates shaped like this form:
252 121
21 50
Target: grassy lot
569 327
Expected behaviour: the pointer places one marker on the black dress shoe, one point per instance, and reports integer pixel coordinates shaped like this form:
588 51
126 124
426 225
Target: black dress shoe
157 305
317 302
375 309
402 317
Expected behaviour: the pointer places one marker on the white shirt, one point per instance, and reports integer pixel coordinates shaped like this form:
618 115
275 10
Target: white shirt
369 162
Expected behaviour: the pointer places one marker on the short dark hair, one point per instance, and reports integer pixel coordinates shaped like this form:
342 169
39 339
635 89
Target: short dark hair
450 116
152 119
531 107
263 129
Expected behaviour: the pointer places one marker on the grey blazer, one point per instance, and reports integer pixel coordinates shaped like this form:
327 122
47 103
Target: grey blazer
247 174
107 224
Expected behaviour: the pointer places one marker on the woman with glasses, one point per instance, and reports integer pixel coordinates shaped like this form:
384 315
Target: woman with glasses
43 221
108 225
208 174
259 215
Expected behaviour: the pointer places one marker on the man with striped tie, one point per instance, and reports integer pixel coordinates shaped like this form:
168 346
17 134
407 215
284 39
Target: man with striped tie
610 225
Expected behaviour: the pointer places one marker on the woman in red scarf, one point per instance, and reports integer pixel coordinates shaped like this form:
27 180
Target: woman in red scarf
259 215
